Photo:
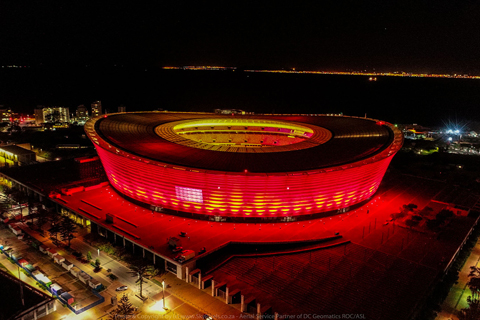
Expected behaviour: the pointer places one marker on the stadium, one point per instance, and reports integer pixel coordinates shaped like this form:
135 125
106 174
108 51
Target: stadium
243 168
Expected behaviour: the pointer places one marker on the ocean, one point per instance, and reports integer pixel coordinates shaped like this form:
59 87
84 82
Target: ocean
426 101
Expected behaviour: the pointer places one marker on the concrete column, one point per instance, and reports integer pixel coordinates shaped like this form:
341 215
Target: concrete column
275 316
124 242
143 252
133 247
213 288
258 311
199 280
188 277
180 272
226 295
242 303
115 237
153 257
35 313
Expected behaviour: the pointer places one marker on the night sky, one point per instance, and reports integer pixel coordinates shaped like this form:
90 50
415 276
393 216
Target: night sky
416 36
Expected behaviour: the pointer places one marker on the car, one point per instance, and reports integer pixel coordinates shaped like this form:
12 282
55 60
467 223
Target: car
177 249
122 288
207 317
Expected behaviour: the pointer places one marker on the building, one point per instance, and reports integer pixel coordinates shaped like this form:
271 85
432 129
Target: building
24 301
81 114
244 167
229 111
5 114
122 109
16 156
51 115
38 112
96 108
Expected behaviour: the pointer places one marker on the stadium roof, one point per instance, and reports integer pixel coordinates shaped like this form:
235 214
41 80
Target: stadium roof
319 141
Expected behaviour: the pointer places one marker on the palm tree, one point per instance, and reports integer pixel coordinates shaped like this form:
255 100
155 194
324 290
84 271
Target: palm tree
143 272
474 282
123 310
472 312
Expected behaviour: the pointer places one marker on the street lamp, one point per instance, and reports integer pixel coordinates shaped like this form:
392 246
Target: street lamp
163 287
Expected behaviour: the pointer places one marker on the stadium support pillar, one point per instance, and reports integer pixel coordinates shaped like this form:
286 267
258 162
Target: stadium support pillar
258 311
143 249
242 303
226 295
124 242
154 257
200 282
275 316
213 288
187 273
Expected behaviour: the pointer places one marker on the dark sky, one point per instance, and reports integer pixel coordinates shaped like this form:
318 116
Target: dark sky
419 36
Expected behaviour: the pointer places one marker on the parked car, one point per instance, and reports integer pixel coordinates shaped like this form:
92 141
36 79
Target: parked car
122 288
207 317
177 249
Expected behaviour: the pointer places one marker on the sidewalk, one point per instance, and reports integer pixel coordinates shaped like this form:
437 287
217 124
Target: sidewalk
182 299
457 297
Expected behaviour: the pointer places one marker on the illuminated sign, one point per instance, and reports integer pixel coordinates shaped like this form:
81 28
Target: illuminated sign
189 194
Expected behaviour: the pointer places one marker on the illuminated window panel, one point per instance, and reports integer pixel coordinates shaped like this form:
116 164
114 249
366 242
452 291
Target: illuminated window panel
189 194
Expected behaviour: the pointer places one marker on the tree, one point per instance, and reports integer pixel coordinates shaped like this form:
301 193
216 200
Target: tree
433 224
412 206
89 256
142 271
472 312
444 214
123 310
97 263
30 204
411 223
67 229
43 216
54 231
474 282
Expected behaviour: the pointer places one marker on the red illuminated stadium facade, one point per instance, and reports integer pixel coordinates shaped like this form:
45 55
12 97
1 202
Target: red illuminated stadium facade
227 167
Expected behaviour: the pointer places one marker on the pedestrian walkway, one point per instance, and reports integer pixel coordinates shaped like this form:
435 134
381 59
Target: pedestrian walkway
457 297
185 299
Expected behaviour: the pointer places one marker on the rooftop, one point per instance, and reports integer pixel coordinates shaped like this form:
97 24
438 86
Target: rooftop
10 296
16 150
260 143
